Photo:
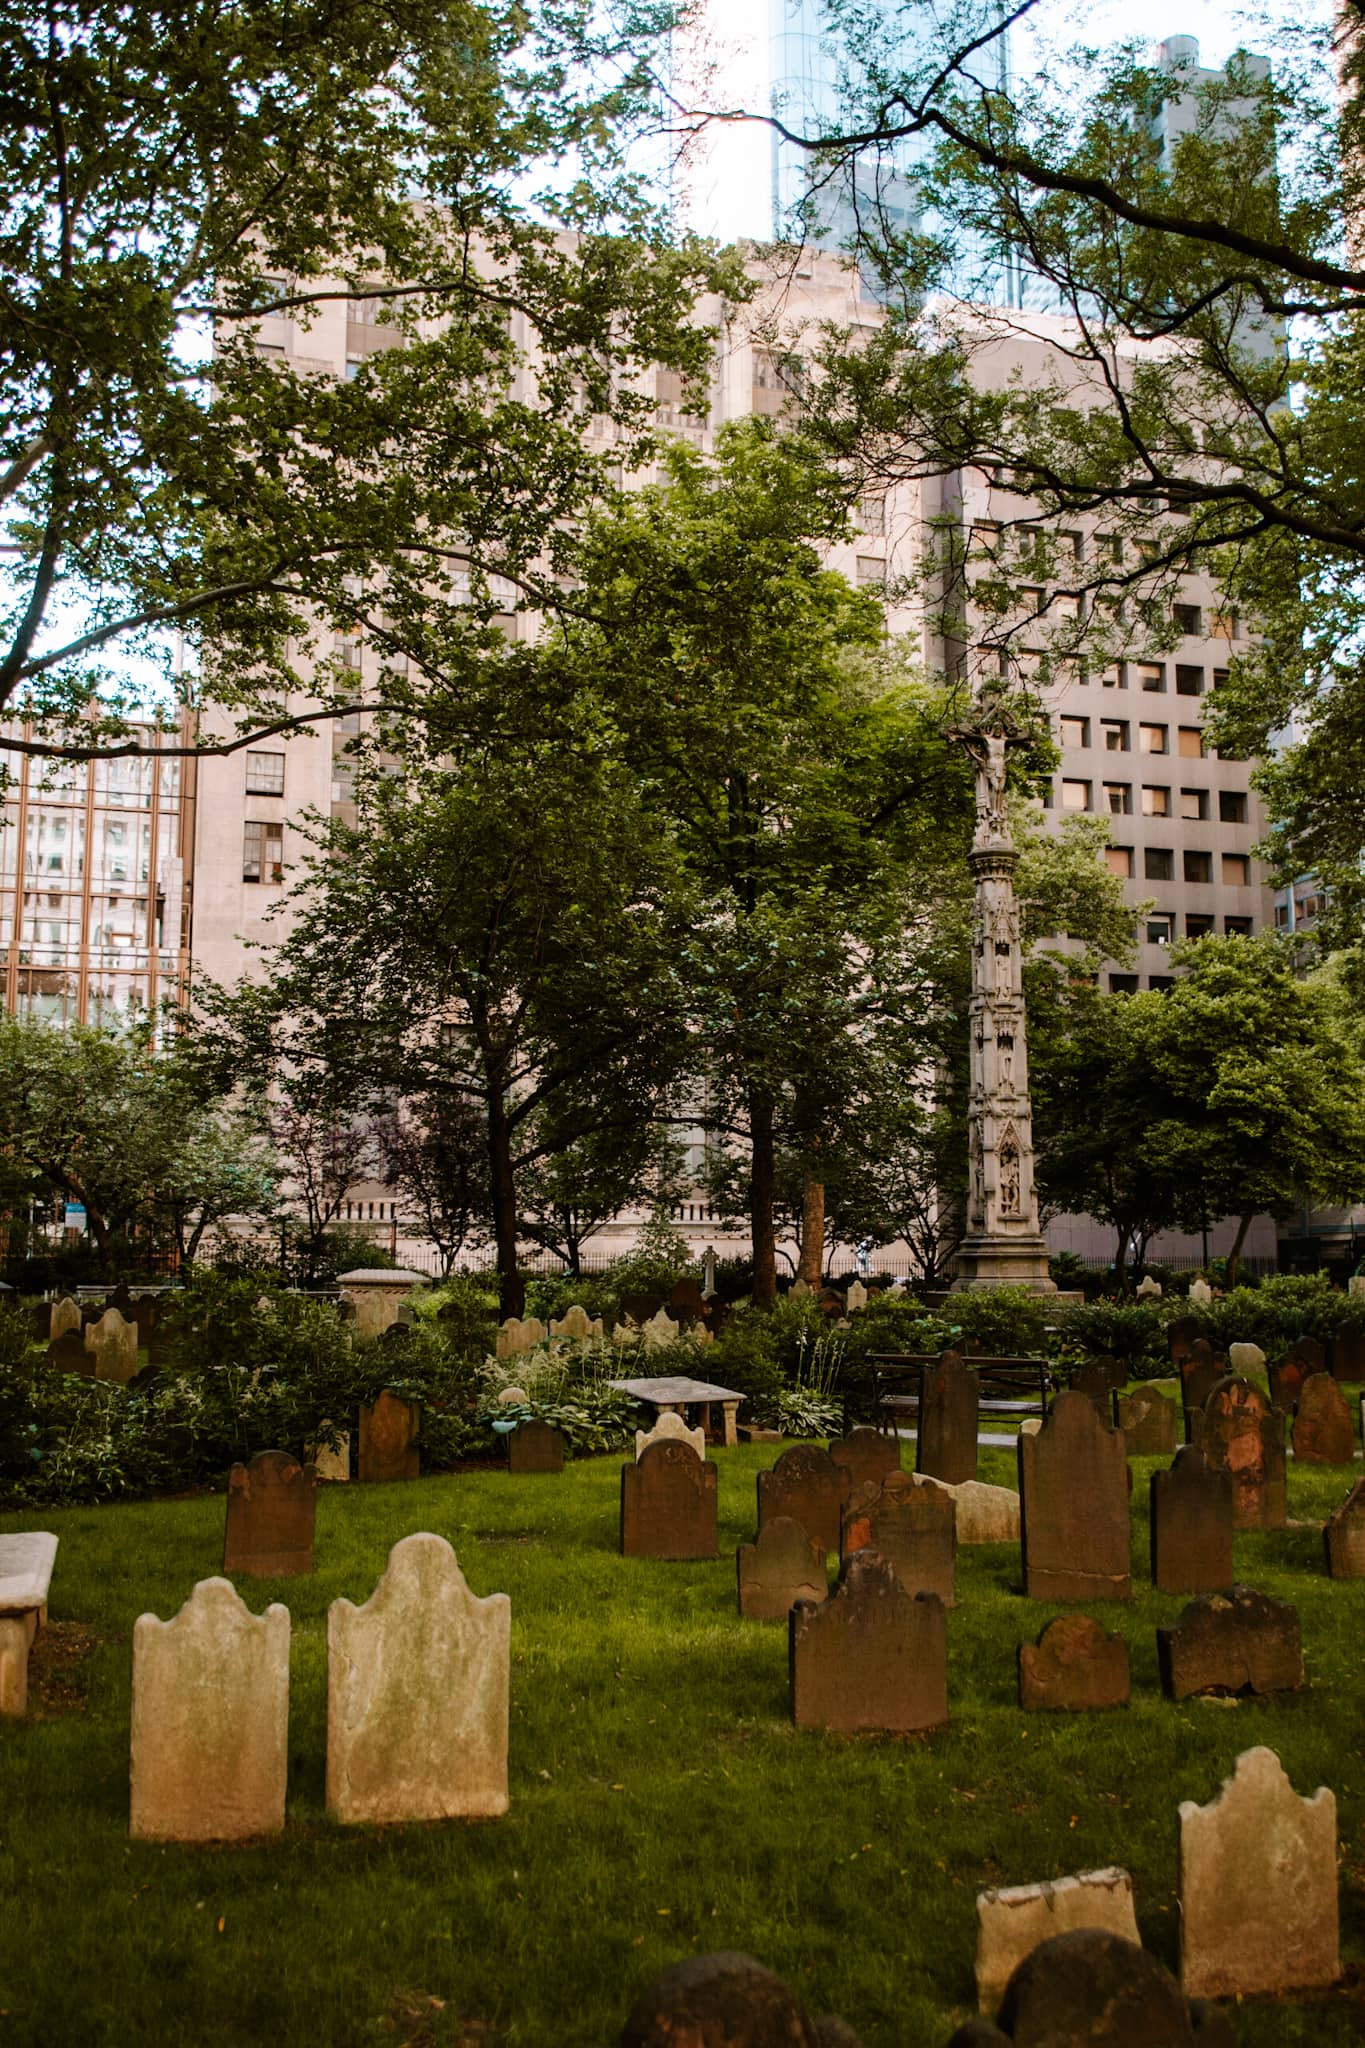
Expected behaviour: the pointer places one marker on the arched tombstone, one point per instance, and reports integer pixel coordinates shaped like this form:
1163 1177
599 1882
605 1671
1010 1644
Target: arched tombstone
1073 1491
389 1428
866 1454
535 1447
1074 1667
1243 1436
1191 1525
670 1428
669 1504
910 1522
806 1484
271 1505
1322 1433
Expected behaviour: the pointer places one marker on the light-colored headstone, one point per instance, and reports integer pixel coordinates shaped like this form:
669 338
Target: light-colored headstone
1258 1885
799 1289
856 1297
1010 1924
417 1694
708 1273
985 1514
112 1343
576 1323
66 1315
210 1734
515 1336
26 1560
669 1428
1149 1289
659 1330
1201 1292
1245 1358
375 1293
334 1465
511 1397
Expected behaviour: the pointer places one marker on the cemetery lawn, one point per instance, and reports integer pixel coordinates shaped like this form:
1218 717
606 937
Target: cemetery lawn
662 1803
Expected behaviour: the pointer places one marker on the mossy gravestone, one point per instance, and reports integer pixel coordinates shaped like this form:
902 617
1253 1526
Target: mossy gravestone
1243 1436
1073 1489
807 1485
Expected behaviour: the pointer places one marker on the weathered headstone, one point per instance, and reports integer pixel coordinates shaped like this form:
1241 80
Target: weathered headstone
534 1446
512 1397
388 1439
577 1324
1201 1292
1240 1641
668 1429
910 1522
669 1504
1243 1436
872 1657
727 2000
64 1315
1096 1988
1091 1378
1258 1885
781 1566
1303 1357
1322 1434
1348 1354
68 1353
946 1446
985 1514
1013 1921
1343 1536
1180 1335
1148 1289
1074 1667
1149 1422
1191 1525
332 1464
271 1505
1200 1373
855 1297
210 1727
417 1692
515 1336
112 1343
1246 1358
1073 1490
806 1484
866 1454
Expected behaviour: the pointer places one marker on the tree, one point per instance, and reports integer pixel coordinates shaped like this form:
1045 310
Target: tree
434 1152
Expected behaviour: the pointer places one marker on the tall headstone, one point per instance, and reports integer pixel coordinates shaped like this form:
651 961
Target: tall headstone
912 1524
1258 1885
669 1504
1200 1373
781 1566
870 1658
1091 1378
417 1694
271 1505
210 1726
1149 1423
1073 1490
65 1315
1074 1667
1322 1433
112 1343
389 1428
1180 1335
1348 1354
866 1454
1343 1536
534 1446
1015 1920
1302 1358
1240 1641
667 1429
806 1484
1191 1525
946 1443
1243 1436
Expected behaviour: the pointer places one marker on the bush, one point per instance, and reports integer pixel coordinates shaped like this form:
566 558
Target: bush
1281 1308
1130 1330
465 1308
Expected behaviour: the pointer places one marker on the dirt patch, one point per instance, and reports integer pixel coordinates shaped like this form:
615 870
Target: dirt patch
59 1669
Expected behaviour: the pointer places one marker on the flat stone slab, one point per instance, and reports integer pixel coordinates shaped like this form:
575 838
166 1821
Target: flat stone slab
675 1392
26 1561
1011 1923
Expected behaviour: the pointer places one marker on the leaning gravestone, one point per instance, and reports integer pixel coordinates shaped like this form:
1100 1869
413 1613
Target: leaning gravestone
912 1524
1095 1988
668 1504
1011 1922
1321 1434
1240 1641
985 1514
68 1353
1258 1885
806 1484
872 1657
1243 1436
670 1428
1073 1490
1148 1421
1074 1667
388 1439
781 1566
64 1315
271 1505
1191 1525
535 1447
210 1728
1343 1536
946 1445
417 1691
112 1343
866 1454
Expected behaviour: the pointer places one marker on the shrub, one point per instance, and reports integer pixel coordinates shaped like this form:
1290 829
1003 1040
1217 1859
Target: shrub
1129 1330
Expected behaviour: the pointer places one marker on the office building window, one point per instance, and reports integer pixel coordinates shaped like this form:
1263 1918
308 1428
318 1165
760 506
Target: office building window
1189 682
1198 867
1123 984
1198 925
1194 803
1232 807
1218 678
872 571
1161 981
1236 870
1112 676
1158 864
1109 547
1152 739
1115 735
1075 732
1237 927
265 774
1118 798
1156 802
1030 597
262 852
1152 675
1191 743
1075 796
1119 861
1160 928
1188 619
1225 626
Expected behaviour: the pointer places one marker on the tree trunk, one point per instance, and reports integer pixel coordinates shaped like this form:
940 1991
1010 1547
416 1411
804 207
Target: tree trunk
811 1265
761 1179
511 1289
1121 1261
1234 1265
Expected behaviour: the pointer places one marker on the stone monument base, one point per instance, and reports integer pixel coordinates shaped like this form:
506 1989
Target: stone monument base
1002 1262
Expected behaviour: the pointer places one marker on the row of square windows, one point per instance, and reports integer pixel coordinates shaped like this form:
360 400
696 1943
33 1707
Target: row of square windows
1158 865
1116 737
1154 800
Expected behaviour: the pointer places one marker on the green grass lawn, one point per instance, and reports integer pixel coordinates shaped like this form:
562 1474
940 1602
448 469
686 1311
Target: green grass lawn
662 1804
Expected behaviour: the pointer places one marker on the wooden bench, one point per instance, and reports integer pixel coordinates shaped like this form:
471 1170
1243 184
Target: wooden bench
26 1562
1009 1387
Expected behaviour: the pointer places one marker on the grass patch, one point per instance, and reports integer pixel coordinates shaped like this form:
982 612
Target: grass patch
662 1804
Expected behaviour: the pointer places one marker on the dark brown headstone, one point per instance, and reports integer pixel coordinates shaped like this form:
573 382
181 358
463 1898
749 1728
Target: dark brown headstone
67 1353
1073 1506
1233 1642
1149 1422
1304 1357
946 1448
781 1566
685 1303
866 1454
872 1657
1348 1355
270 1509
388 1439
1343 1536
535 1447
146 1313
1191 1526
1243 1436
1181 1334
40 1321
806 1484
642 1307
1092 1379
910 1523
726 2001
668 1503
1322 1433
1073 1667
1096 1989
1200 1373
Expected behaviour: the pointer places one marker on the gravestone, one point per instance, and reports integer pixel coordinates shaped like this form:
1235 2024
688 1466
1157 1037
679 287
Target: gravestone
270 1509
112 1343
332 1465
68 1353
1304 1357
866 1454
1074 1667
1181 1333
668 1429
669 1504
515 1336
1073 1491
64 1315
1321 1433
512 1397
577 1324
806 1484
1243 1436
1246 1359
1012 1921
1343 1536
1092 1380
535 1447
686 1303
1258 1885
727 2000
209 1750
985 1514
781 1566
1348 1354
855 1297
1201 1292
1240 1641
388 1439
912 1524
946 1445
872 1657
1148 1289
1148 1421
1191 1525
417 1692
1200 1373
146 1313
1100 1990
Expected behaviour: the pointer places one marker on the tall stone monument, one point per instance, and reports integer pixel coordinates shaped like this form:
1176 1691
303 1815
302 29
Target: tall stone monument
1003 1246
